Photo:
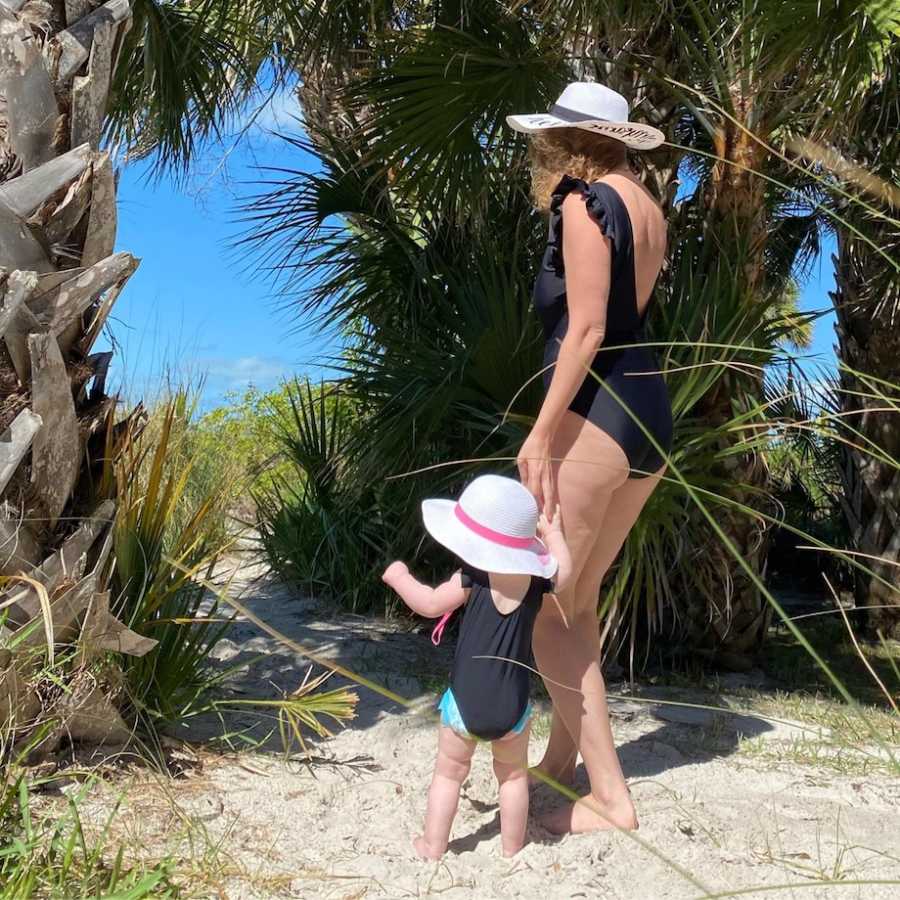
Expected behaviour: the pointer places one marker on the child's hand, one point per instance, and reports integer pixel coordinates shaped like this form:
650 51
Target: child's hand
546 526
394 571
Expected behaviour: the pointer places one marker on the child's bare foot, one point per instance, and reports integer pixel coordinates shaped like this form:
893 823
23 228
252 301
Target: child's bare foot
589 815
512 850
424 850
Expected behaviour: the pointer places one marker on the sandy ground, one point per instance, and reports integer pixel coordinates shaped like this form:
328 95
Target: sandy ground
714 818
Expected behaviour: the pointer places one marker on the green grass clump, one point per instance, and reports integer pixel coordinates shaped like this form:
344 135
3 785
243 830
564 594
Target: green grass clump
51 854
164 536
787 661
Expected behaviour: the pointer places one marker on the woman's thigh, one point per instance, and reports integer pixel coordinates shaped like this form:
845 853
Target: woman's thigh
622 512
589 467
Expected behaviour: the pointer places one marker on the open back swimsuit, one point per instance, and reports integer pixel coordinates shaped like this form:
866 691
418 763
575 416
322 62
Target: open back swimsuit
488 694
624 377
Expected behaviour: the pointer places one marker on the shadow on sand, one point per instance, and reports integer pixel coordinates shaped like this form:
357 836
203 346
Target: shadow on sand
259 666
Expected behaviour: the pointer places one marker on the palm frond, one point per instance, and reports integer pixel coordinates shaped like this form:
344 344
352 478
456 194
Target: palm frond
187 72
435 117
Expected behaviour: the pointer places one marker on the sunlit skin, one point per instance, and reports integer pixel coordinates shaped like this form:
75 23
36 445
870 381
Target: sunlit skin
455 751
568 460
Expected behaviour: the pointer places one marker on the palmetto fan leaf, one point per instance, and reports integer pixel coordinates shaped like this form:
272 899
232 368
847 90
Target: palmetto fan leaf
330 32
341 244
180 79
594 22
843 41
435 115
315 433
321 526
472 345
187 71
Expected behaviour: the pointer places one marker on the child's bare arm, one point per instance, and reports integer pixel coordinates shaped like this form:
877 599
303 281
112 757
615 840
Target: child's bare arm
551 534
426 601
560 549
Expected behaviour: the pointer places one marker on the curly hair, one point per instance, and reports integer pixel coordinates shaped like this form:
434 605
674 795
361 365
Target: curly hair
570 151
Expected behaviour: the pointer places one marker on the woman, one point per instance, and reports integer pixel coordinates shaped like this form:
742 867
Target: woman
597 445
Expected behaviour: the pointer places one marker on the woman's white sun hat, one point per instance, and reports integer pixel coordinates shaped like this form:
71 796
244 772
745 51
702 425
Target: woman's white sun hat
492 527
593 107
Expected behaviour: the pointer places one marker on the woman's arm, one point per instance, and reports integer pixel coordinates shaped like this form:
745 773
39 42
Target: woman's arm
588 258
426 601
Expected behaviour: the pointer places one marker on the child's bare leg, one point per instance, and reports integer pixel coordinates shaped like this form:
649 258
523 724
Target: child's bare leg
450 771
511 769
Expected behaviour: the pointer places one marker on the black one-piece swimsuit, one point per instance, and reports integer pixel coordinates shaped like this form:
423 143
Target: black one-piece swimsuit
625 378
490 677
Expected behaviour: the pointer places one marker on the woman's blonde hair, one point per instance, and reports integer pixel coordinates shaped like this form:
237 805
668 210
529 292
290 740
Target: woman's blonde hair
570 151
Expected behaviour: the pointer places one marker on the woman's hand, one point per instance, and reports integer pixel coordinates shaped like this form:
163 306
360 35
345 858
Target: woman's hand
536 469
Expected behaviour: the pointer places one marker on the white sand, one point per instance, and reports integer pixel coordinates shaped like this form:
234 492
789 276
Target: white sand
713 818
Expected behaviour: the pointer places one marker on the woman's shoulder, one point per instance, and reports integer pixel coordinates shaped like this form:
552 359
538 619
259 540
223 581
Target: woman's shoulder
622 204
590 203
632 193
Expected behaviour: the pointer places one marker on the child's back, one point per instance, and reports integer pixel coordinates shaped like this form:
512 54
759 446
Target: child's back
492 527
490 682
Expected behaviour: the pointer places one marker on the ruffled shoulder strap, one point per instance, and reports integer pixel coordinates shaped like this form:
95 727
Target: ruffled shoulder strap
599 199
607 209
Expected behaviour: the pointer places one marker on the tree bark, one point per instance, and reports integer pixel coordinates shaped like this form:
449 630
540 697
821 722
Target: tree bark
58 279
867 305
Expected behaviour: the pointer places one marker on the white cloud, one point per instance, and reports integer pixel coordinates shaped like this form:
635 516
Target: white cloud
245 370
280 112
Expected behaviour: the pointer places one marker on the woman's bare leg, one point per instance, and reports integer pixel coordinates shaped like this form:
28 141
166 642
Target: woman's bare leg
450 771
511 769
589 466
625 506
598 512
609 803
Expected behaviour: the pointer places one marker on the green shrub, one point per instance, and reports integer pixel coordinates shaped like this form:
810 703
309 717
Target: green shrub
50 854
236 439
321 527
164 535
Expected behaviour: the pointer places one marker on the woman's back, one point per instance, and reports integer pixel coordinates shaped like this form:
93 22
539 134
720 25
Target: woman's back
648 230
624 394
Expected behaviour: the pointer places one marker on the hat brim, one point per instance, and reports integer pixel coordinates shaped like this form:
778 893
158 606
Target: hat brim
633 134
481 553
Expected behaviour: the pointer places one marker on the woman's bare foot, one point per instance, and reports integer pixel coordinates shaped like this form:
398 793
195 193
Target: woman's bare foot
589 815
424 850
562 774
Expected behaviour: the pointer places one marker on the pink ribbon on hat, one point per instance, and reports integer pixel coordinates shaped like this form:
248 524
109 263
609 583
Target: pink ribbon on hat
496 537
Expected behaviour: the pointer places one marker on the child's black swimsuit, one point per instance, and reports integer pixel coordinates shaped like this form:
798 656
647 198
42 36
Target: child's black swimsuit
491 693
629 374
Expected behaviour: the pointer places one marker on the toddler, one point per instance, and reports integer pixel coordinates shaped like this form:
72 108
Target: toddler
506 570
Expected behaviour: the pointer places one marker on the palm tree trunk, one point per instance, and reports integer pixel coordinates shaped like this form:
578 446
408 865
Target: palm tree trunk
869 344
867 305
59 279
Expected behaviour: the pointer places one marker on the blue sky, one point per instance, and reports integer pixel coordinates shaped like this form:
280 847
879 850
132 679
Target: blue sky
193 309
814 297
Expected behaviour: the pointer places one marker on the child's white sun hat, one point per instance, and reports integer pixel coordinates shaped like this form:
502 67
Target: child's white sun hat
492 527
592 107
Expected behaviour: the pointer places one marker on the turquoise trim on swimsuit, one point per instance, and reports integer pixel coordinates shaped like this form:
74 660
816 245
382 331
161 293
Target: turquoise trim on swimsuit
452 717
